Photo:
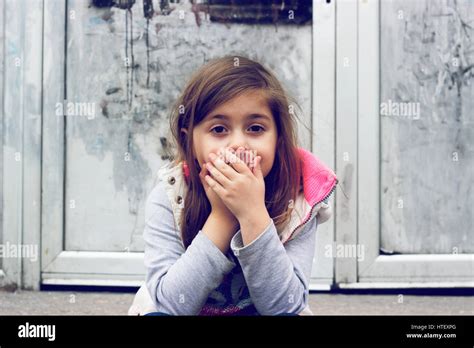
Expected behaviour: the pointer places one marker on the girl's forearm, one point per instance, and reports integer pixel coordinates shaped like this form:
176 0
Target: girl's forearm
254 224
220 230
277 275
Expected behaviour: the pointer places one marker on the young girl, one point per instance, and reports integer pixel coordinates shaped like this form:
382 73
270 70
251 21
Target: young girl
231 225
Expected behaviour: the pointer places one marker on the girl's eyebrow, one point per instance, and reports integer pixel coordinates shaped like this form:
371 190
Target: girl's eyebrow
255 116
250 117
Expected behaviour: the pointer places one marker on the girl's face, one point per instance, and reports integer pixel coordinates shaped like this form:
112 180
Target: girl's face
244 121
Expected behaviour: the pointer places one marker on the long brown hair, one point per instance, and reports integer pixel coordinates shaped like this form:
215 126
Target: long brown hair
213 84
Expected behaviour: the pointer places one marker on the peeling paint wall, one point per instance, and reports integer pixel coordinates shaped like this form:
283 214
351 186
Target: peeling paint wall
427 56
133 69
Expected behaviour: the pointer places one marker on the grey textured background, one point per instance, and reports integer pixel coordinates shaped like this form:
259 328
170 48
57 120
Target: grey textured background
97 173
427 57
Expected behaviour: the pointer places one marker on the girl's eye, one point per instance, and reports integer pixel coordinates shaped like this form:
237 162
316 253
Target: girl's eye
218 130
257 128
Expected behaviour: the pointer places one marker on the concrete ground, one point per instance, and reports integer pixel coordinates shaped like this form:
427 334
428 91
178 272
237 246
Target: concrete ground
112 303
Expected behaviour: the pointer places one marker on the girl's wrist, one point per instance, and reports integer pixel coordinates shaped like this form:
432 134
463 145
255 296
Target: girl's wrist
225 217
219 230
252 225
254 217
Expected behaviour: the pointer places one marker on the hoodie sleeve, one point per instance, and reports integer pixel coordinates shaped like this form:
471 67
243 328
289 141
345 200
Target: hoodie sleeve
277 275
178 280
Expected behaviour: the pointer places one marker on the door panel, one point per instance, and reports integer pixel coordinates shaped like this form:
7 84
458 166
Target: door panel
401 215
427 127
111 76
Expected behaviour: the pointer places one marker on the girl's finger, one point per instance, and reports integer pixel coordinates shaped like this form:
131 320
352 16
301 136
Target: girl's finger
250 157
217 175
218 189
219 162
257 169
236 163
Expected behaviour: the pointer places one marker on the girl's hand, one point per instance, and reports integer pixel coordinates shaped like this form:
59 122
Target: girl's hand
218 207
240 188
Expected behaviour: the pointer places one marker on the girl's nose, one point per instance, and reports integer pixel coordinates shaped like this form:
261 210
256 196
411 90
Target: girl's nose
236 149
238 142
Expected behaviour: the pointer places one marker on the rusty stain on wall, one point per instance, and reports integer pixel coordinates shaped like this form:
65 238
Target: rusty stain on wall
230 11
148 14
346 184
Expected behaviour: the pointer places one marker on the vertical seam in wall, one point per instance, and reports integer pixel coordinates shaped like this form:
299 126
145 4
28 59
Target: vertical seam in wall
335 134
64 205
379 91
357 137
40 203
22 24
2 8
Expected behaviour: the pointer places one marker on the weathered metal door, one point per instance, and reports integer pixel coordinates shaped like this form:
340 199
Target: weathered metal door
110 76
405 130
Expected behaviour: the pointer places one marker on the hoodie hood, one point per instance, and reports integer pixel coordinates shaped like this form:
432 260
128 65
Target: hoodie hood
319 182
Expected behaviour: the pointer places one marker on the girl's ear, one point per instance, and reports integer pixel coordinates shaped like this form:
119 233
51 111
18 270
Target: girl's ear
184 130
